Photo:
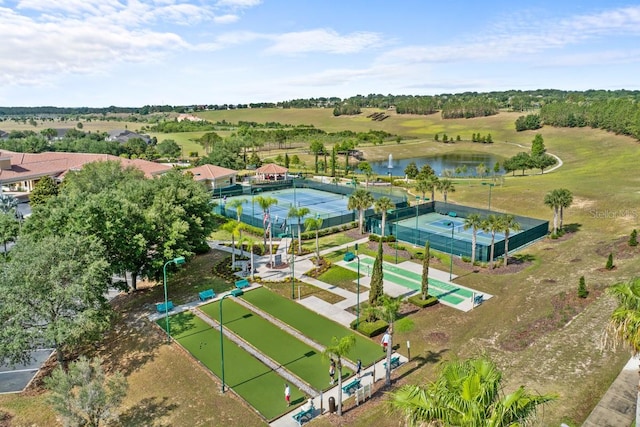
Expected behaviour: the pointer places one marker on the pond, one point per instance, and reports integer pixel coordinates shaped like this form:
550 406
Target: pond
460 164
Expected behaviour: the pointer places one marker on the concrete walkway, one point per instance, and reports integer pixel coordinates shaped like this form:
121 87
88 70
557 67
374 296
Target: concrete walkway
617 408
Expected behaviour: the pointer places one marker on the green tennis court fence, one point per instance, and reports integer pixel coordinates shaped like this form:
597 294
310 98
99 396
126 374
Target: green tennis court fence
532 230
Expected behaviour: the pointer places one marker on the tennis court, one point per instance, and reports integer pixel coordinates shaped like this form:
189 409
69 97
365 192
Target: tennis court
440 224
321 204
297 357
252 380
408 276
314 326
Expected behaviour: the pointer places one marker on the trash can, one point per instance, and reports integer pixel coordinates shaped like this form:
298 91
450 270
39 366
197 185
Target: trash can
332 405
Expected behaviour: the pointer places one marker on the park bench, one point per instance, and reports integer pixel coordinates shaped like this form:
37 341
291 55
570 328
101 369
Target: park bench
236 292
395 362
161 308
349 256
205 295
303 416
244 283
351 387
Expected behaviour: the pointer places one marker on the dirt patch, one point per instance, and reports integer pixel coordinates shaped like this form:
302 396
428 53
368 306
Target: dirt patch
5 419
565 307
619 248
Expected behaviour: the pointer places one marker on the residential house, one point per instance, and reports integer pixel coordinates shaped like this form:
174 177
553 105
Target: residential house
124 135
214 177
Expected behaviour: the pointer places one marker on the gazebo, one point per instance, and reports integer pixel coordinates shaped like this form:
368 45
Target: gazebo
271 172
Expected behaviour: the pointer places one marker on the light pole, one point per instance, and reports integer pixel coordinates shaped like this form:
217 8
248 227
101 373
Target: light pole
451 254
293 262
177 261
357 291
491 185
221 340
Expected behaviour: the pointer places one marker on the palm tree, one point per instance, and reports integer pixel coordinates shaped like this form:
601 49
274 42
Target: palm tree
250 242
507 224
367 170
423 185
317 148
491 225
265 203
434 182
446 186
565 199
360 200
388 311
299 213
337 350
624 325
236 205
7 203
552 199
231 226
314 224
474 222
381 206
467 393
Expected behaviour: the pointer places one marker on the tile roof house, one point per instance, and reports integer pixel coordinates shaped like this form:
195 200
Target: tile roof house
21 171
214 177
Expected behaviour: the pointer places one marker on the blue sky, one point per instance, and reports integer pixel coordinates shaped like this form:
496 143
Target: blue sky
137 52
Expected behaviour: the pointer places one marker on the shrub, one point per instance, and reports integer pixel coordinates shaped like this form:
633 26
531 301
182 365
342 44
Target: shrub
466 258
609 265
371 329
633 238
422 303
582 288
376 238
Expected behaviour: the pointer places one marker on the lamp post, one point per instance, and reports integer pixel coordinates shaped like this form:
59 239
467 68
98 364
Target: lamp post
451 254
293 262
357 291
491 185
177 261
222 341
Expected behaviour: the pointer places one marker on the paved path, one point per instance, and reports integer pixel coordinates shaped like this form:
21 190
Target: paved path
617 408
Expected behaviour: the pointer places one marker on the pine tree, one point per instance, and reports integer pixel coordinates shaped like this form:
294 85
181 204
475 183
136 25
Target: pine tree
425 272
609 265
582 288
376 289
436 138
633 239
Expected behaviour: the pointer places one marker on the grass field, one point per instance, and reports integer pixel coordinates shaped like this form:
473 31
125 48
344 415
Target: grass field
318 328
248 377
294 355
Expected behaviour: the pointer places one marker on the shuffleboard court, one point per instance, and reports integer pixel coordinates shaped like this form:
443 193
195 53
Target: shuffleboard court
317 327
297 357
450 293
255 382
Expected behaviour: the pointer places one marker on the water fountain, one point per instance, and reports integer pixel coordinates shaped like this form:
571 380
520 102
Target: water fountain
390 161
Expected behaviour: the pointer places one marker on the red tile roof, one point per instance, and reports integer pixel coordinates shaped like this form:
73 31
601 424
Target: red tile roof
271 168
26 166
210 172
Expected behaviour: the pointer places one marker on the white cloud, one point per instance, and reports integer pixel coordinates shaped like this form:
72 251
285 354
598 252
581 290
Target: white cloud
239 3
322 40
226 19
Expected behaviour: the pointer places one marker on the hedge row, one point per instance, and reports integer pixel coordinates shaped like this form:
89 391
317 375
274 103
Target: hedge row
371 329
422 303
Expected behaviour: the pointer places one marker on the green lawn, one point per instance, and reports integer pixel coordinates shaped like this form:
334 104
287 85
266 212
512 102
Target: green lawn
313 325
294 355
248 377
342 278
